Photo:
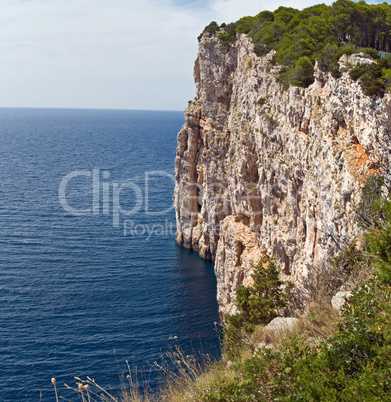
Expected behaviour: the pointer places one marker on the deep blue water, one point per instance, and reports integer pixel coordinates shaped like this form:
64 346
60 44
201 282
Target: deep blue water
74 287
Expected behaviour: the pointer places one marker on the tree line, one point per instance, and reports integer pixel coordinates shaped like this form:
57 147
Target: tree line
317 33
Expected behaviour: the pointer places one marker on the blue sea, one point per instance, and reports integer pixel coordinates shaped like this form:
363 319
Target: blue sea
90 275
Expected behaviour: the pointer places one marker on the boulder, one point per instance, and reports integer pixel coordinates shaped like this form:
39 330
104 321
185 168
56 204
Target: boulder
339 299
281 323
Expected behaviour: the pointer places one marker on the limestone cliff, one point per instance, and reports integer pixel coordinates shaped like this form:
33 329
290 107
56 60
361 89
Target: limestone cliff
276 176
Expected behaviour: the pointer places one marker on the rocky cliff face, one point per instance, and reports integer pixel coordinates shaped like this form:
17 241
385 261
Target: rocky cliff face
279 177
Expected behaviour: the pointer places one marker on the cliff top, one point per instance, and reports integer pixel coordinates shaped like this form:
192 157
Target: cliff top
319 33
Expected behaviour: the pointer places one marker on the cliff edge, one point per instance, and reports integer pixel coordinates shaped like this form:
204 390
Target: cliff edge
263 170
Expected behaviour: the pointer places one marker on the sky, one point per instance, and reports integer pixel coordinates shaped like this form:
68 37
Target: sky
112 54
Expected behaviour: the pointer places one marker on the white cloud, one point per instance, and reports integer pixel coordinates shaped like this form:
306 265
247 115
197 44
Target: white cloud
106 53
84 53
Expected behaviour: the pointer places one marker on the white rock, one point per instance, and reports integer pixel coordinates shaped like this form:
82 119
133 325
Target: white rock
339 299
282 323
263 345
233 310
359 58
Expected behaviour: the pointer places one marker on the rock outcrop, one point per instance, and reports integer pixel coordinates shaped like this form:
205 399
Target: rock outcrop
263 169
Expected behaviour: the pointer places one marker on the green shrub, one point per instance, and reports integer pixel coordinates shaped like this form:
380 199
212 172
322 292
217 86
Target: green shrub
257 304
356 72
380 245
339 367
327 55
245 24
227 36
373 209
225 39
261 101
338 53
373 53
374 78
348 50
210 29
303 74
348 270
260 49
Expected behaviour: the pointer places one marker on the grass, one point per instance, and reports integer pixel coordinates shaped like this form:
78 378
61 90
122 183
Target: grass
317 323
183 379
195 380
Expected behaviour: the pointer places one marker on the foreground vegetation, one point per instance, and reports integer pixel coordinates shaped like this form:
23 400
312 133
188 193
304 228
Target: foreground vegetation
318 33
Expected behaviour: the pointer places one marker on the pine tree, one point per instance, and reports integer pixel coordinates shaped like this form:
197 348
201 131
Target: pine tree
259 303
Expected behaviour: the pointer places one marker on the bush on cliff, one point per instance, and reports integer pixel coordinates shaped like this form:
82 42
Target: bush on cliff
227 35
257 304
303 74
209 30
379 241
375 78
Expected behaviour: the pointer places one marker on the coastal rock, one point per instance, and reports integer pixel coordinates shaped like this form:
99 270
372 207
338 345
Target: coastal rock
260 168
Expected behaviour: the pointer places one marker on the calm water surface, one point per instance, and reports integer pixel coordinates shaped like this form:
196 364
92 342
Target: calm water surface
74 288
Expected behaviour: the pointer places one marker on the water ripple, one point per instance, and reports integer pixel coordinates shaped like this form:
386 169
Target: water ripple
73 288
